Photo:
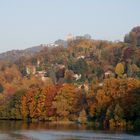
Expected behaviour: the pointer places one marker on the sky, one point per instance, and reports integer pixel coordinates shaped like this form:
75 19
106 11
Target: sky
27 23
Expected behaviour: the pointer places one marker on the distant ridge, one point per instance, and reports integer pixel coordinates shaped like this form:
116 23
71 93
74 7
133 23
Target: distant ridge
13 55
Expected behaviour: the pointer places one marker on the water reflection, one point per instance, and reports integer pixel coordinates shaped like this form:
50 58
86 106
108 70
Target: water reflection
18 130
19 125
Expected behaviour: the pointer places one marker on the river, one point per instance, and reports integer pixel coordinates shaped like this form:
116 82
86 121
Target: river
18 130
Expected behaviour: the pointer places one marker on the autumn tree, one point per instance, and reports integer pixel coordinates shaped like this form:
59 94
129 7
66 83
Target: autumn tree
10 109
29 103
45 102
66 102
82 117
119 70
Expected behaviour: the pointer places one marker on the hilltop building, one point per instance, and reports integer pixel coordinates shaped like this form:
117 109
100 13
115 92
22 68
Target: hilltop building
70 37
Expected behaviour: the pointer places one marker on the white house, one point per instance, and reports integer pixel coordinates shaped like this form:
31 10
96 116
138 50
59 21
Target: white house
77 76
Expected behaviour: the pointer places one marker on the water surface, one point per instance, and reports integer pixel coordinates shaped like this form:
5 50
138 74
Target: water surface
18 130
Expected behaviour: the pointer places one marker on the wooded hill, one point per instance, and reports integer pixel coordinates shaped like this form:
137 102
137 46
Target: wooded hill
89 80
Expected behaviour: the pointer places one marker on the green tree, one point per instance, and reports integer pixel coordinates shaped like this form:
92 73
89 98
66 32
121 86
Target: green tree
1 88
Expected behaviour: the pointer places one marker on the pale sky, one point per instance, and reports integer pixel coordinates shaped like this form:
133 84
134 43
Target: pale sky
26 23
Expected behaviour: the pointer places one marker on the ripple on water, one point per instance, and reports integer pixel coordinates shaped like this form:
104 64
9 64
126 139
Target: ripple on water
77 135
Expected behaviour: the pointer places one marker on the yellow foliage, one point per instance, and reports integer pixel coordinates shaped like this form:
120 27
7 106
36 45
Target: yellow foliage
119 69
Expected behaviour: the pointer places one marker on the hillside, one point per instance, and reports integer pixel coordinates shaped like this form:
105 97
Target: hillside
89 80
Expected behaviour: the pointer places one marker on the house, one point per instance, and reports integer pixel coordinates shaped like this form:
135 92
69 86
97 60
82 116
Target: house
81 57
108 73
77 76
38 63
30 70
41 74
43 78
80 37
100 84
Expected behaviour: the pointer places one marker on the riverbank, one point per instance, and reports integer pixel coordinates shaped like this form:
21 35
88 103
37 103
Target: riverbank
88 124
